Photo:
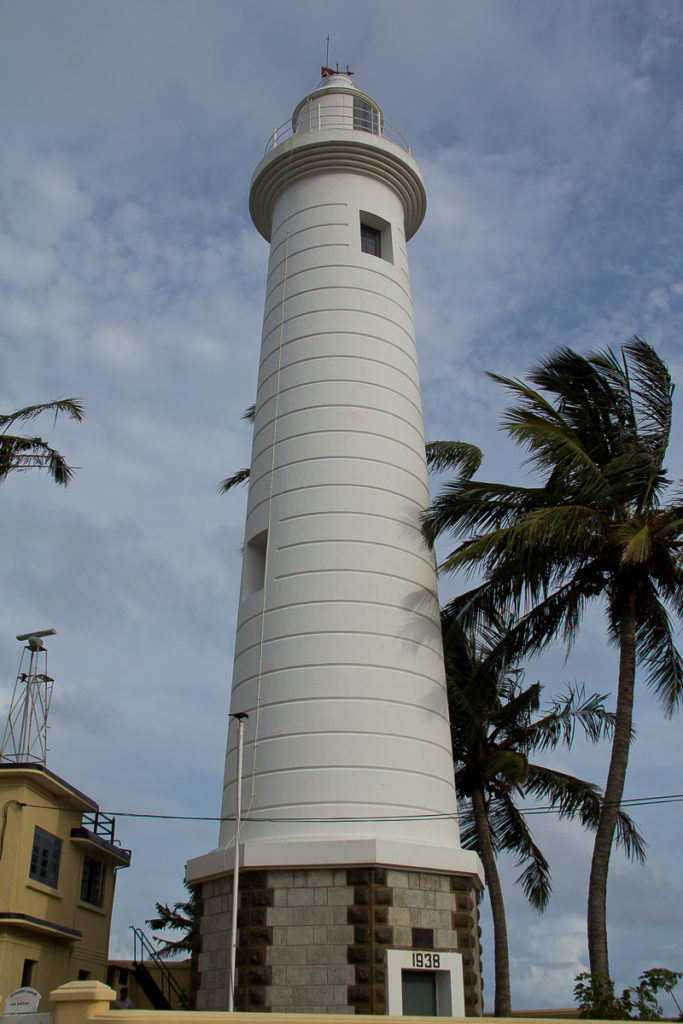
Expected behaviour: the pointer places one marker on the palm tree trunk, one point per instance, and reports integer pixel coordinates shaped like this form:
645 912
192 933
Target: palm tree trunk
614 788
502 1006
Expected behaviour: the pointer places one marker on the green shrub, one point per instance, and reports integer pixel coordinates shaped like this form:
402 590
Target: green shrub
595 996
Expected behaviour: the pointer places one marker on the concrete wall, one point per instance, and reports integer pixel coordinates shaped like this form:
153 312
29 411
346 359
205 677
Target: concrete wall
315 940
81 1002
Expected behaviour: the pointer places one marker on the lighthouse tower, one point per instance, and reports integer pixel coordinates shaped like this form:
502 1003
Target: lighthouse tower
355 894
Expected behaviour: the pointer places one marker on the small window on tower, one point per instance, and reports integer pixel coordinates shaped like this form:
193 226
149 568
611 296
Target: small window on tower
254 564
375 236
423 938
370 240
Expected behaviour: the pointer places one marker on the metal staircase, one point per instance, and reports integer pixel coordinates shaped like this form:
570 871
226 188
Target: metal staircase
166 990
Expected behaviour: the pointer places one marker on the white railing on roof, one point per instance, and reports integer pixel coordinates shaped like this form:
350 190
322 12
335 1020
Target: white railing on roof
320 117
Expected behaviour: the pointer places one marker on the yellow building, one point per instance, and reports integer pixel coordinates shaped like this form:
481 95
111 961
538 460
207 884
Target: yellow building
58 862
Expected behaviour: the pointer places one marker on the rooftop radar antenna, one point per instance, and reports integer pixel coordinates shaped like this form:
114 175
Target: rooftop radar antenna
25 736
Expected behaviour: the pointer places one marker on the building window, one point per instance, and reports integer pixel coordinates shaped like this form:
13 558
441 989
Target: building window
370 240
117 972
92 881
27 973
83 975
47 850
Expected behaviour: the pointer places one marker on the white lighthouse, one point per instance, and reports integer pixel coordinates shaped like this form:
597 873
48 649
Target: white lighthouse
354 890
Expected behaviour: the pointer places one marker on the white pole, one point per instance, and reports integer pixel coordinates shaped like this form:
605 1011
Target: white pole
240 716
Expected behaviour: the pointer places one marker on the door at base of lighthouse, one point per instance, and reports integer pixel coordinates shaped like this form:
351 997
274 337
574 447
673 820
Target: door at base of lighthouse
419 993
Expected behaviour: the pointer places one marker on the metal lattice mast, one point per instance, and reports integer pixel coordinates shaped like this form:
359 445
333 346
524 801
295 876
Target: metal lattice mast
25 735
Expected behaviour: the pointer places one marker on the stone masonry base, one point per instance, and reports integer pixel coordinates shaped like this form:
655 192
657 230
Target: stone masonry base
314 940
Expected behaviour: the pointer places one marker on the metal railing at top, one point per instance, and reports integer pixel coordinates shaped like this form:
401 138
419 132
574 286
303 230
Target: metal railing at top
101 825
322 116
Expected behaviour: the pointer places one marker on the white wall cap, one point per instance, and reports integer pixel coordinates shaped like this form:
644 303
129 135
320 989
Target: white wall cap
282 854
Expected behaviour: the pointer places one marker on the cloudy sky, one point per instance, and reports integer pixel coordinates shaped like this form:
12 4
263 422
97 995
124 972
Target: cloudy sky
550 140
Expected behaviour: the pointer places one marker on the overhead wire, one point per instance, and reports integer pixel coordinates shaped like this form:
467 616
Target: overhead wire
644 801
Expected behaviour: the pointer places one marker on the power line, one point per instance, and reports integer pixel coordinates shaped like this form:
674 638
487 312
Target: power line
644 801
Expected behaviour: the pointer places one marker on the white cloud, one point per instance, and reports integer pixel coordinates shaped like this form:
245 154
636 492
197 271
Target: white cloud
45 203
554 955
23 266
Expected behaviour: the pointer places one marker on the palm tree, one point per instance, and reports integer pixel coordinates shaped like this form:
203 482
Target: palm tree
495 727
18 452
599 526
241 475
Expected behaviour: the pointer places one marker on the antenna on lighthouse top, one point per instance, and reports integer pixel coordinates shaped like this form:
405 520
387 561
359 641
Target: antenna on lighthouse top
326 71
25 736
